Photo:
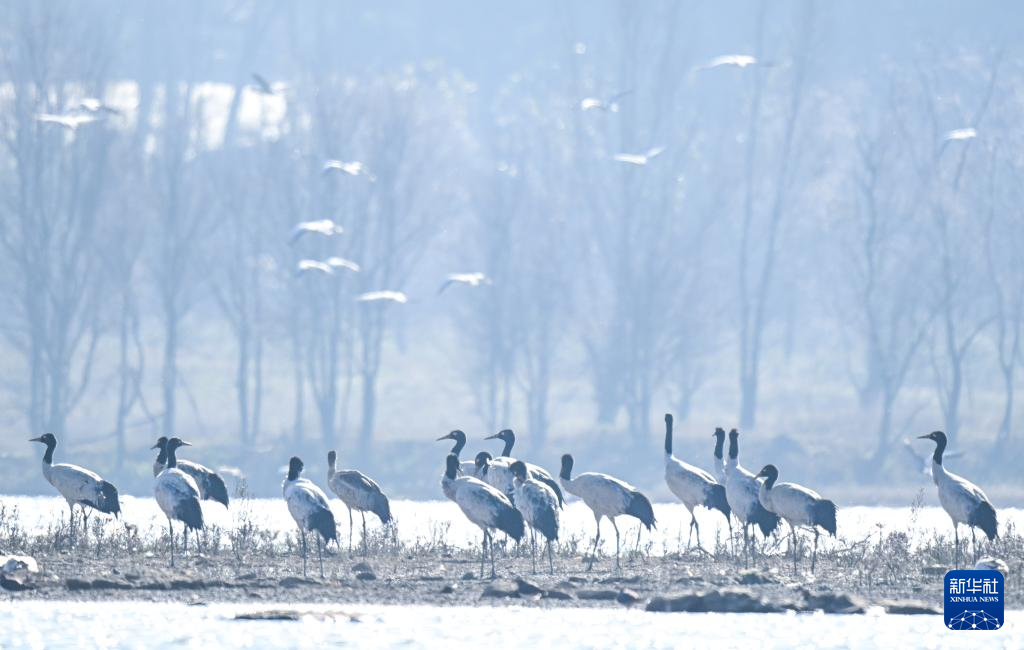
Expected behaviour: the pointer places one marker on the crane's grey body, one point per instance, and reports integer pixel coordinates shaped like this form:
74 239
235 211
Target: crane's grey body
799 506
211 485
692 485
308 506
177 495
358 492
539 506
536 472
743 492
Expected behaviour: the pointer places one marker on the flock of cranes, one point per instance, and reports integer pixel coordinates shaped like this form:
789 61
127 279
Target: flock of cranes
506 494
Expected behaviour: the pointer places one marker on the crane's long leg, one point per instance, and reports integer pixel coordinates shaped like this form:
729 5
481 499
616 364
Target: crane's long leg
551 559
533 548
184 546
616 527
350 531
494 574
597 539
71 524
639 529
956 543
689 538
85 524
170 535
366 548
319 555
483 555
792 529
303 533
814 553
696 525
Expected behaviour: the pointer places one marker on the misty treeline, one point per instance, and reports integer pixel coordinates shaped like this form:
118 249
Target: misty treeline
795 219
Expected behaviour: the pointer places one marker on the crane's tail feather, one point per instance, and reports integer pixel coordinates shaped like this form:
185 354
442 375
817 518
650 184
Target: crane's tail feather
547 524
823 513
322 521
382 508
553 484
510 522
216 490
715 499
107 501
190 513
641 508
984 517
765 519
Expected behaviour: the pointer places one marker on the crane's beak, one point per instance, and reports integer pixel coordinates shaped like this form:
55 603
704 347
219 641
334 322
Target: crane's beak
926 436
39 439
186 444
446 436
497 435
156 446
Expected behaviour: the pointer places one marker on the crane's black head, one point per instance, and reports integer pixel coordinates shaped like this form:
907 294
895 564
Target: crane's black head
940 444
174 443
566 472
482 459
161 442
519 470
332 457
719 436
47 439
734 443
734 434
460 440
451 468
769 473
294 468
505 435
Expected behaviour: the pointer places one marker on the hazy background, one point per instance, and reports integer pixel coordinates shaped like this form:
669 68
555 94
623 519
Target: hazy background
809 259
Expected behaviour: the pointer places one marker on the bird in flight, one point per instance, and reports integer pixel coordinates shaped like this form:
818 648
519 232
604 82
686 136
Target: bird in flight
468 279
639 159
961 134
376 296
342 263
97 107
306 266
261 85
353 168
737 60
70 121
610 104
324 227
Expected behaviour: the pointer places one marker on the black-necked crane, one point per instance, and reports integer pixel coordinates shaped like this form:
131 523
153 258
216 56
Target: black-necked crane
799 506
466 467
358 492
718 467
536 472
496 472
79 486
307 504
743 492
177 495
692 485
963 501
211 485
606 496
539 506
484 505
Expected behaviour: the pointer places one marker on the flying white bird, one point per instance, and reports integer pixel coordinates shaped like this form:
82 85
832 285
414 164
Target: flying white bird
70 121
314 265
94 105
738 60
961 134
261 85
610 104
324 227
342 263
375 296
963 501
468 279
352 168
79 486
639 159
177 495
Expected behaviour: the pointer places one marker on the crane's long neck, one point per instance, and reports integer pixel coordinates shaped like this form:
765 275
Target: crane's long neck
940 448
719 443
161 458
48 456
460 442
769 483
734 451
172 458
293 473
668 437
509 443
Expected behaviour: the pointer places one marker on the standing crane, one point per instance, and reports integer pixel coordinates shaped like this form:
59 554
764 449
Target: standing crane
211 485
742 491
177 495
307 504
799 506
692 485
963 501
536 472
484 506
79 486
607 496
539 506
358 492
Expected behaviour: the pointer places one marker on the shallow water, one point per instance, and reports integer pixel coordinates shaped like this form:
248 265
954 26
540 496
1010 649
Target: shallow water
425 521
34 624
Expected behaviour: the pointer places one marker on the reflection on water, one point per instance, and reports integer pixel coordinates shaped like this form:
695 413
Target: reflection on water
424 520
146 625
